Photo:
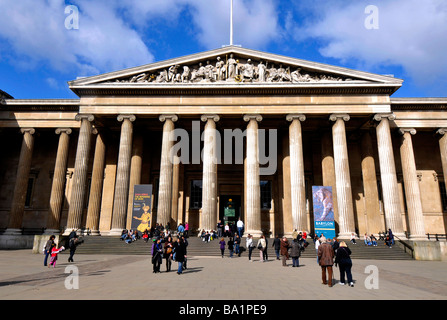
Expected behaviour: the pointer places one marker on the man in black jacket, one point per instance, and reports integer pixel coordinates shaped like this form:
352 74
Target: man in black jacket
277 245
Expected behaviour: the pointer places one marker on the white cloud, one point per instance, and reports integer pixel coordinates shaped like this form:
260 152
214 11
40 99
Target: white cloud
411 34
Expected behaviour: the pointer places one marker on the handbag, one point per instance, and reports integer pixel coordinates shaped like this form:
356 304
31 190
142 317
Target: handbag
260 246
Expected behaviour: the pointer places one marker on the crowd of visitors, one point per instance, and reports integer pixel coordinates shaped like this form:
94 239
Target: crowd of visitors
170 249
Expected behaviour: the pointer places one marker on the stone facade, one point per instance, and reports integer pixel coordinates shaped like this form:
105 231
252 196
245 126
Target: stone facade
73 163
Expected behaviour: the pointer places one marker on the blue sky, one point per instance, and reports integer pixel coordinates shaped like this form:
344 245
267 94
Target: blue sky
39 54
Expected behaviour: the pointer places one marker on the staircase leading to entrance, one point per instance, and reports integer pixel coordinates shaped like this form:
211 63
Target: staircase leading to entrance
196 247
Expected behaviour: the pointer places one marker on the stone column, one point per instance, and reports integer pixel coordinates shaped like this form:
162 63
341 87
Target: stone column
94 203
328 169
119 215
208 218
77 197
297 178
252 190
166 168
135 174
443 150
390 189
23 170
411 183
374 221
342 176
59 178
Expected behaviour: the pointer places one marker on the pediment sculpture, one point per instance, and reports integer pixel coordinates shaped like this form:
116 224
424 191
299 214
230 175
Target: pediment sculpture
231 70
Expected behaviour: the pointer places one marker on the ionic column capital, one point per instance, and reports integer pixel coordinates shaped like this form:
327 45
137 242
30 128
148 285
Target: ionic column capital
380 116
248 117
336 116
412 131
300 117
129 117
28 130
172 117
88 117
441 131
207 117
63 130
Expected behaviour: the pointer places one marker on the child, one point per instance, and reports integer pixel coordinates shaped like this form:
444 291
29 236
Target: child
54 252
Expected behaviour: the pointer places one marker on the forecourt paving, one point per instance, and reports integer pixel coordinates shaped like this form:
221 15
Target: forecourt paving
104 277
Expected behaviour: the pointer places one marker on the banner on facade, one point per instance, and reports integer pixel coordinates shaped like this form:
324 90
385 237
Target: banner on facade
323 211
142 207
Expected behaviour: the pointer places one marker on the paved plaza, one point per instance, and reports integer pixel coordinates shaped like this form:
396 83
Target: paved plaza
112 277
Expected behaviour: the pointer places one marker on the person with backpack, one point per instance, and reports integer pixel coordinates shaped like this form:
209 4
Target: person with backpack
295 252
72 245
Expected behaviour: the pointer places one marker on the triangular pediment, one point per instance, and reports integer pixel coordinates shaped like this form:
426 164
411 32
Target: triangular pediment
231 66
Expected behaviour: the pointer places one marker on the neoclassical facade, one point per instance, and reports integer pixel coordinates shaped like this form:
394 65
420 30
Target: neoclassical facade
232 123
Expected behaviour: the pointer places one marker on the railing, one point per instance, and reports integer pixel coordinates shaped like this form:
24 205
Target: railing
437 236
406 246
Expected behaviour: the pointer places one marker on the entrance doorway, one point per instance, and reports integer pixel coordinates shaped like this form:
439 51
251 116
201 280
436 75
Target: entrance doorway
229 209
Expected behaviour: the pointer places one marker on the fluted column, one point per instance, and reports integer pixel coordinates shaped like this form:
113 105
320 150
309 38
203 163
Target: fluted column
252 191
390 190
135 173
411 183
166 168
208 217
443 151
297 178
77 197
18 198
342 176
59 178
119 215
94 203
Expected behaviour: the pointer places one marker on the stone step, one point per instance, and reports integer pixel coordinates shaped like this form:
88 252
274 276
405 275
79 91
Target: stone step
196 247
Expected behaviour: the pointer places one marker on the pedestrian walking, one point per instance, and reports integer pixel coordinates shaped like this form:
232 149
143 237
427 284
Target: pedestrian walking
344 262
277 245
326 261
249 244
47 249
73 243
222 246
295 252
180 253
284 251
262 246
237 245
54 252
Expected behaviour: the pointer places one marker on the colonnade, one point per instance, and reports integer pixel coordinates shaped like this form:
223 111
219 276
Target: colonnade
209 211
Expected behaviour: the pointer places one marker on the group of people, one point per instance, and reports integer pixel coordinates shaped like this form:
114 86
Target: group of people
371 240
51 249
170 249
229 229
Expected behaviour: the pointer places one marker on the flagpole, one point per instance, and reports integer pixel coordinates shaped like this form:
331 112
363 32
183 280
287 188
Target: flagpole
231 24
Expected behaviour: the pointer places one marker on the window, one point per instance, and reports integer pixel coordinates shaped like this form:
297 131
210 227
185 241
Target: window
266 194
196 194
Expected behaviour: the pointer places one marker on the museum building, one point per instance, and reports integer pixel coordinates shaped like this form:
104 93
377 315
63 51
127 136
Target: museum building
236 124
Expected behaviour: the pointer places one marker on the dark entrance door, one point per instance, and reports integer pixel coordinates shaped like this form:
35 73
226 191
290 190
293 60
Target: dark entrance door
229 208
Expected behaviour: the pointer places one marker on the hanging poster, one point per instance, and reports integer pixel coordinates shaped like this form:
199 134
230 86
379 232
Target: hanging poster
141 210
323 211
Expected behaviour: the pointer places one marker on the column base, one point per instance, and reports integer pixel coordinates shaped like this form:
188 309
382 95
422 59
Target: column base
253 233
12 232
344 236
115 232
52 231
418 238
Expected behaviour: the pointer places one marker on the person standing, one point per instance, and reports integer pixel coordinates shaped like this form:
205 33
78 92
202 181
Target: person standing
317 244
250 246
284 250
295 252
344 262
240 227
277 245
220 229
262 246
180 255
222 246
186 229
231 247
237 245
157 251
168 253
73 244
326 258
47 249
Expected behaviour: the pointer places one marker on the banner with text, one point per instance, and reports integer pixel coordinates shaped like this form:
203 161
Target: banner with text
142 211
323 211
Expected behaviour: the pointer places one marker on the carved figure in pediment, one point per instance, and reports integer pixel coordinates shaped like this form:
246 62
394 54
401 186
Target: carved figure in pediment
283 74
298 77
209 73
186 74
261 72
173 75
220 70
247 71
162 77
140 78
272 74
232 67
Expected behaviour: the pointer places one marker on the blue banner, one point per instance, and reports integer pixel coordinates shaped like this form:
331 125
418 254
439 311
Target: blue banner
323 211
